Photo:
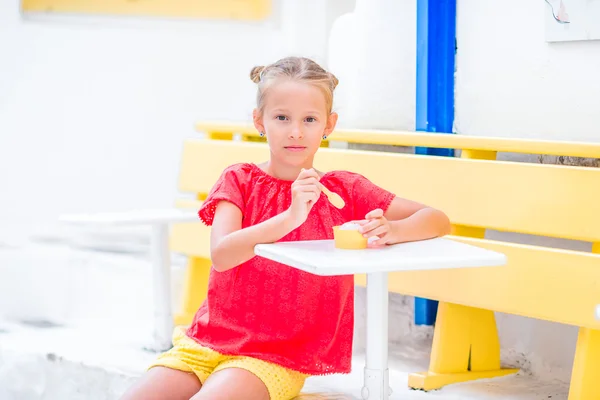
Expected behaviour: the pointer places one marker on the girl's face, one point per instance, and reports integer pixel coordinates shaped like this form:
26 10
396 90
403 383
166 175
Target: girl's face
294 120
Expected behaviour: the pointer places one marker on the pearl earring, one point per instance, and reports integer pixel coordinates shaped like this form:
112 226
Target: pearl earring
262 134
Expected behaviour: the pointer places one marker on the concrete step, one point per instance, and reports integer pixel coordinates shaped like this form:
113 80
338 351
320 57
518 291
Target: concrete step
43 362
80 315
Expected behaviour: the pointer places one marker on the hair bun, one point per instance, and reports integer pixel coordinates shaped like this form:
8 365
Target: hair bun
255 73
334 80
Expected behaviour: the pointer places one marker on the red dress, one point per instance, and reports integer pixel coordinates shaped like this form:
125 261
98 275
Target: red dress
267 310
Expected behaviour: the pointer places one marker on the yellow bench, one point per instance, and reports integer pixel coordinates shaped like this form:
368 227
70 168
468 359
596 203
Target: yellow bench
477 192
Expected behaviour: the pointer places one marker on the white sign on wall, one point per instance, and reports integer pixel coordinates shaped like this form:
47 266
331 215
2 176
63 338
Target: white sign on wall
570 20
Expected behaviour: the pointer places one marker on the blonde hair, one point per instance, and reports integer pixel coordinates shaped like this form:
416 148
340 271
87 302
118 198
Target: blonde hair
294 68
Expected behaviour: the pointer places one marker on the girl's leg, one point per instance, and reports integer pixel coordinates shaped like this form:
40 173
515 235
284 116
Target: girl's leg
233 384
161 383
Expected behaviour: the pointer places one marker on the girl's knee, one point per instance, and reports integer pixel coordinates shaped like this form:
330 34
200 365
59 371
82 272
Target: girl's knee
233 383
161 383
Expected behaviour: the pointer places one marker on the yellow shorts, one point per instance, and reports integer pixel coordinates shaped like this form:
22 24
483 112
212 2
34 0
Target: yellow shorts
189 356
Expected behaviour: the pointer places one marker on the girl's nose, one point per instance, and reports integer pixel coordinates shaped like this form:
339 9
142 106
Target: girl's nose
296 132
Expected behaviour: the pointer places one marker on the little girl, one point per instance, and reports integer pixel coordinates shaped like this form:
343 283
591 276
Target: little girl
266 327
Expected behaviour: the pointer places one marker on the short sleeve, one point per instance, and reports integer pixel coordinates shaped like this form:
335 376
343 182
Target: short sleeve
367 197
230 187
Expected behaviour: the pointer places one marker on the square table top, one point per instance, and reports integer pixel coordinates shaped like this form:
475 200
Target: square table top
320 257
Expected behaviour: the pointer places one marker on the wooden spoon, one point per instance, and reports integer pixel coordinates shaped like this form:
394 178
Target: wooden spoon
333 198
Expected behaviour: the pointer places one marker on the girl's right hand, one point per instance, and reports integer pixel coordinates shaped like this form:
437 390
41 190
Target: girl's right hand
305 193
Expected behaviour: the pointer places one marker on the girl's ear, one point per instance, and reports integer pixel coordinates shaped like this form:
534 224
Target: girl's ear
258 120
331 122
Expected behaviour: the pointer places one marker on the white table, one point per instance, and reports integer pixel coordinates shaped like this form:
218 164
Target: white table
322 258
159 220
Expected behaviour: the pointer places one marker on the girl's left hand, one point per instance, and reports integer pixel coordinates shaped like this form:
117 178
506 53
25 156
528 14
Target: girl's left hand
376 225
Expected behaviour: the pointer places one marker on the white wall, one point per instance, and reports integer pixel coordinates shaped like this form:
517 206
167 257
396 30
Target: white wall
93 111
510 82
92 114
373 53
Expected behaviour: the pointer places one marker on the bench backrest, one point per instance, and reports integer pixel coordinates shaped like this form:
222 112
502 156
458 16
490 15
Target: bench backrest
559 201
547 200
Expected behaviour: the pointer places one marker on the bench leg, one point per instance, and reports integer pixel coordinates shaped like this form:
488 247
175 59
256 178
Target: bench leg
376 379
161 269
465 347
586 367
195 289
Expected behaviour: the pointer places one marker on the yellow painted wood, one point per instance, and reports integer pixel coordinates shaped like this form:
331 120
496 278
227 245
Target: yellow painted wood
534 275
219 135
465 347
193 240
457 326
182 240
406 138
479 154
188 203
196 282
550 284
473 231
195 289
585 376
469 231
201 196
452 340
360 280
253 138
190 235
505 188
466 338
190 238
222 9
485 343
431 381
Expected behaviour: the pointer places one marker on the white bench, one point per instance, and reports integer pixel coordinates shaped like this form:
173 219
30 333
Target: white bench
159 220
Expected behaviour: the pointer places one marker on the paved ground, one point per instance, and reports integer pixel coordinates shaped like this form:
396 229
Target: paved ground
53 363
66 330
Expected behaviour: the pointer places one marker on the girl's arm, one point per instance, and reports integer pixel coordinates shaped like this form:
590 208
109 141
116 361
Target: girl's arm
230 245
425 223
412 221
405 221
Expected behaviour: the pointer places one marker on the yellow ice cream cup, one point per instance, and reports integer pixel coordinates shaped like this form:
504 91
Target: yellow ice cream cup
350 239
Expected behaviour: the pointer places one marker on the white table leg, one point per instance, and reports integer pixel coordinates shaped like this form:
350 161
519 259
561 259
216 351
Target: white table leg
161 282
376 384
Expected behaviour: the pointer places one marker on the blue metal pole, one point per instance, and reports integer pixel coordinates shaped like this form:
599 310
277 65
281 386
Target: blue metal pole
436 49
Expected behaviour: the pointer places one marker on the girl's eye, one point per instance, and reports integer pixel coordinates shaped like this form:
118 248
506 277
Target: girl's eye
310 119
281 117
